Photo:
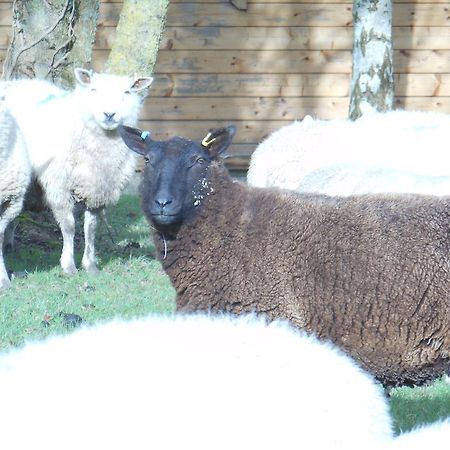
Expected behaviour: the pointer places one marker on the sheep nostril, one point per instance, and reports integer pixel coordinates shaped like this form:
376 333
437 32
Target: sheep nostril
162 203
109 116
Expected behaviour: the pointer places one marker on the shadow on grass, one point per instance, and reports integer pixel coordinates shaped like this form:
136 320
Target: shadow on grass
122 233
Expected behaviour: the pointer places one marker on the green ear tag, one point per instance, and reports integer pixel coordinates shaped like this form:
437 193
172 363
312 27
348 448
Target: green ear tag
144 135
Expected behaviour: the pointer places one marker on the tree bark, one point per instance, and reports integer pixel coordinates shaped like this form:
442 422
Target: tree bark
139 32
372 86
50 39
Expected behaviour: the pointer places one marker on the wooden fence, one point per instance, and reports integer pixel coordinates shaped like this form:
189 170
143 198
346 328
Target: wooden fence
279 60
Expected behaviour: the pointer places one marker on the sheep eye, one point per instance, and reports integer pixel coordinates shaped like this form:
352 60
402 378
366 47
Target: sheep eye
201 160
93 89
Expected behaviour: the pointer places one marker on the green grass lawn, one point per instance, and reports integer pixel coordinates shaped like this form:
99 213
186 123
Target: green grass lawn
131 284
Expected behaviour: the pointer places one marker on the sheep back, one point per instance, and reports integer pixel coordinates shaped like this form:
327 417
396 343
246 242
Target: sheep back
380 152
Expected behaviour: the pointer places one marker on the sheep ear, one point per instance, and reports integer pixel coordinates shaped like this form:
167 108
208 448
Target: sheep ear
135 139
141 83
218 140
83 76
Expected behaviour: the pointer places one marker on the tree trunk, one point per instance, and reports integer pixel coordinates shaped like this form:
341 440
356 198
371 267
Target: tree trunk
372 86
50 39
139 32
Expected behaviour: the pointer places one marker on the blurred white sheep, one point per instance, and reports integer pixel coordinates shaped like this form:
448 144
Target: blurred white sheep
398 151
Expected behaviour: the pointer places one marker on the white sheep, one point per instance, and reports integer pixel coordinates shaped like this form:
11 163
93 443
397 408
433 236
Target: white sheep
398 151
15 173
188 382
76 154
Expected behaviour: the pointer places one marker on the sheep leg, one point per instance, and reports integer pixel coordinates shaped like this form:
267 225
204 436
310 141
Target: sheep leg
4 279
9 210
90 225
66 222
9 235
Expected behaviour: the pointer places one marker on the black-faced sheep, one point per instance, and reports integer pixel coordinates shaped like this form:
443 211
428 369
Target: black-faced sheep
75 152
398 151
15 174
370 273
188 382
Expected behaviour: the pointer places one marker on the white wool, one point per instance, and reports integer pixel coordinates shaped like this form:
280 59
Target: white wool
15 174
75 151
398 151
188 382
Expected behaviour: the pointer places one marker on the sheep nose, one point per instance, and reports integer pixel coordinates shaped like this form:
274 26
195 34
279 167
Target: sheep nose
109 116
163 202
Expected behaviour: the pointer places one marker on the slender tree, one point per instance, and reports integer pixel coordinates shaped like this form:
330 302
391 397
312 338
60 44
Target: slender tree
139 32
50 38
372 86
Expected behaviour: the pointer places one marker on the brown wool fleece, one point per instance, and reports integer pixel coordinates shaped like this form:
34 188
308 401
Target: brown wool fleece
371 273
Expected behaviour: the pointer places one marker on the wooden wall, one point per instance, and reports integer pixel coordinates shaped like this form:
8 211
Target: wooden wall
274 63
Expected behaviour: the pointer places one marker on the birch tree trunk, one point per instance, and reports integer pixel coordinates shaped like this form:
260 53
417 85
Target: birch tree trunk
372 86
50 38
139 32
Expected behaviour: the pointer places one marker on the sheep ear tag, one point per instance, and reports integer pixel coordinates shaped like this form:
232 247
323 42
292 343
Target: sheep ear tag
208 140
218 140
145 135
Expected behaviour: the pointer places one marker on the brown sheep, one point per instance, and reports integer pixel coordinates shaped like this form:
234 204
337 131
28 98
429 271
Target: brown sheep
371 273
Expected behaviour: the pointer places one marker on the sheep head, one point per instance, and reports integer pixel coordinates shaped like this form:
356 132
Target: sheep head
176 173
110 100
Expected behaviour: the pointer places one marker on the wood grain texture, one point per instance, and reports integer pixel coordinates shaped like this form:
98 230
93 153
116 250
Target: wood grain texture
274 63
272 38
189 14
288 85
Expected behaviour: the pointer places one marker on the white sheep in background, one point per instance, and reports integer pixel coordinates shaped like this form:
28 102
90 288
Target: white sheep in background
398 151
188 382
15 173
76 154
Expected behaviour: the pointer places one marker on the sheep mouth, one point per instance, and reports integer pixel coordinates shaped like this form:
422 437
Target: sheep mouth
165 220
109 125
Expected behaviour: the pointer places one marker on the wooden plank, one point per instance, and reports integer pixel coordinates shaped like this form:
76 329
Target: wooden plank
194 14
422 61
242 109
434 104
295 38
289 85
422 85
242 61
247 132
272 14
252 85
324 61
277 38
255 131
280 62
296 14
257 38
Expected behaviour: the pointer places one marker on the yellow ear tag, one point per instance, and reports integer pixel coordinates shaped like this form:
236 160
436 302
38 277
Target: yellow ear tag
206 142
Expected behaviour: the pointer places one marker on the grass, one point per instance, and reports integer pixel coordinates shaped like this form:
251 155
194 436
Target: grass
131 284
